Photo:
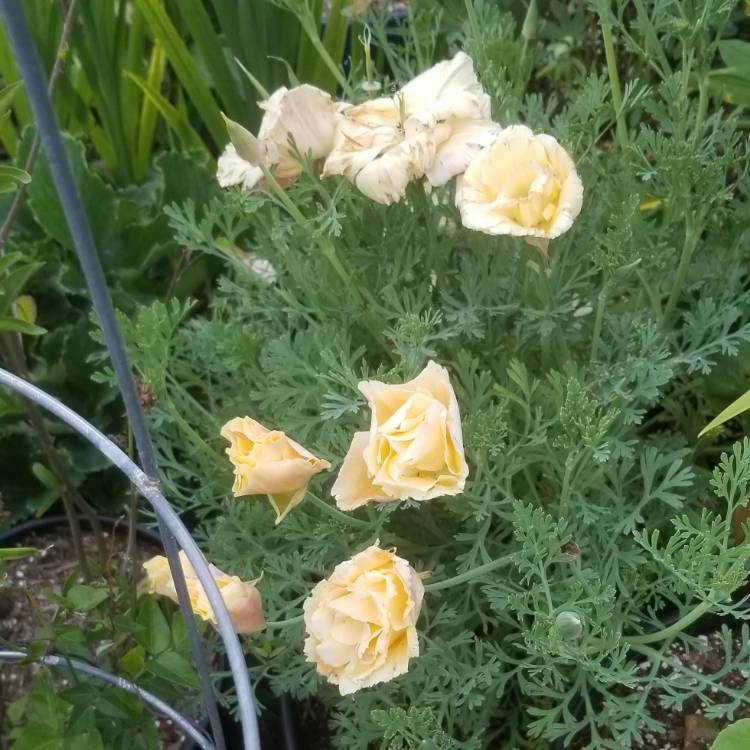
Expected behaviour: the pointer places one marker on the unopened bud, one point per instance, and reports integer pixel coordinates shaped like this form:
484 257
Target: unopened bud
568 626
244 141
528 30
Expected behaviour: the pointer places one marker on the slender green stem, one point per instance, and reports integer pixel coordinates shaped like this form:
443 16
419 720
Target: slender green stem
470 574
614 82
327 248
336 513
700 112
652 297
652 38
197 441
570 462
324 243
691 242
310 27
278 624
672 630
601 304
547 592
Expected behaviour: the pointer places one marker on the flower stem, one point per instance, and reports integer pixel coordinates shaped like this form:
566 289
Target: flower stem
614 83
336 513
672 630
691 242
600 305
324 243
278 624
470 574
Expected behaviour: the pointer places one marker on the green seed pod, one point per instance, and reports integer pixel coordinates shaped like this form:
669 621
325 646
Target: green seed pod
528 30
568 626
244 141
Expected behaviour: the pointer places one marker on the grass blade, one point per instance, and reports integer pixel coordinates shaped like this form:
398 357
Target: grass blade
210 48
149 111
184 67
176 120
742 404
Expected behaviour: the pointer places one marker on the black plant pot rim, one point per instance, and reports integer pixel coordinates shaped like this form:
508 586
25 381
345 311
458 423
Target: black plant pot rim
48 523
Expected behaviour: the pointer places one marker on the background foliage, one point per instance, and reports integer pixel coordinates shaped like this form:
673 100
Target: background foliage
583 384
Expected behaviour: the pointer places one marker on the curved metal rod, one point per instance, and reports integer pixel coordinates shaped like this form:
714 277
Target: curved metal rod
148 488
75 215
158 705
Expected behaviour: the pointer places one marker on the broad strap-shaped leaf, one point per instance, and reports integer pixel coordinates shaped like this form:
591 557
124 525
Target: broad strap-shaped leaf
734 409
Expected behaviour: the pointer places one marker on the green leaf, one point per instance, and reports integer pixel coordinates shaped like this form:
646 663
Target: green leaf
83 598
179 633
87 741
99 200
15 325
16 553
731 84
45 476
149 110
37 737
734 409
7 94
132 662
156 635
13 283
173 117
174 668
11 177
735 53
6 261
734 737
26 309
210 46
184 66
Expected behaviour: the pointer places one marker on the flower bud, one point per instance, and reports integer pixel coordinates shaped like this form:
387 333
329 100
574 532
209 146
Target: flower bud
568 626
528 30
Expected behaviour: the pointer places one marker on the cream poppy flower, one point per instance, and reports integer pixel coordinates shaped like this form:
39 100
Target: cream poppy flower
267 462
241 597
301 119
414 448
432 127
523 185
361 622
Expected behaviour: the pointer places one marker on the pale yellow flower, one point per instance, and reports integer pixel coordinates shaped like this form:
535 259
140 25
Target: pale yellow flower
432 127
523 185
414 448
241 597
361 622
301 119
267 462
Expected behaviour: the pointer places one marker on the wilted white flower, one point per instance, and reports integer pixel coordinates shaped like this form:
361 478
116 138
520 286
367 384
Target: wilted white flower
297 121
432 127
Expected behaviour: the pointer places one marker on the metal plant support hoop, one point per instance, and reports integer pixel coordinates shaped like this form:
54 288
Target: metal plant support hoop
76 665
173 533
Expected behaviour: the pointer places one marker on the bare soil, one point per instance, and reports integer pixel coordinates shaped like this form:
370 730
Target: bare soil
690 728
